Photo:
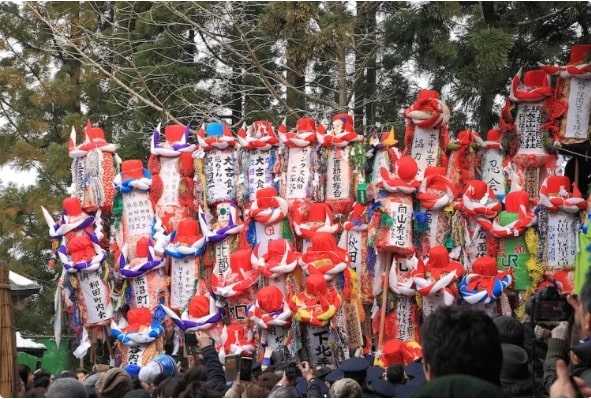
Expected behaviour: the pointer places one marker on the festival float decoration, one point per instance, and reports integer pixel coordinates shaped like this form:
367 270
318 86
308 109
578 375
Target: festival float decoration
257 157
461 166
509 227
355 240
298 177
559 225
271 313
477 206
314 307
311 218
94 166
202 313
436 196
493 162
215 165
134 211
571 108
426 136
234 285
83 287
383 153
276 262
485 285
184 251
267 219
172 168
139 335
344 171
532 96
145 274
394 220
435 279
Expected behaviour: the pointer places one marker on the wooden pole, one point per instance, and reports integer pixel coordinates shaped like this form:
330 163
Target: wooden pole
9 380
384 301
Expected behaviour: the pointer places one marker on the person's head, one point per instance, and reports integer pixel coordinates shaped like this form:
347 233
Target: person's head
200 389
196 373
511 330
172 387
66 387
345 388
42 379
395 374
25 375
268 379
113 383
458 340
37 392
81 374
282 392
585 311
356 369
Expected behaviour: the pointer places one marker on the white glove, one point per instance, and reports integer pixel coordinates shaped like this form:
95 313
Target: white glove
561 331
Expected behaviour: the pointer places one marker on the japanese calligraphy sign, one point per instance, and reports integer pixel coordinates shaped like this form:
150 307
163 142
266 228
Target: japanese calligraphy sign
95 295
425 148
220 175
260 171
299 176
579 106
561 241
138 214
183 273
171 178
338 176
317 344
492 170
529 125
353 324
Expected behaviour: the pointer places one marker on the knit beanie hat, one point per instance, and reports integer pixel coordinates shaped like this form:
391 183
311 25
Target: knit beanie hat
66 388
113 384
158 369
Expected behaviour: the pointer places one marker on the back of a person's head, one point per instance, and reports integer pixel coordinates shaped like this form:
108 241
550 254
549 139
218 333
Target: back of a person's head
37 392
196 373
458 340
42 378
268 379
282 392
139 393
458 386
345 388
200 389
66 387
511 330
256 391
23 372
395 373
113 383
173 387
586 295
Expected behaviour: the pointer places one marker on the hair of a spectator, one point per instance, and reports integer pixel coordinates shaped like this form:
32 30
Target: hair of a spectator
174 387
197 372
395 373
23 372
268 379
585 297
37 392
282 392
459 340
511 330
200 389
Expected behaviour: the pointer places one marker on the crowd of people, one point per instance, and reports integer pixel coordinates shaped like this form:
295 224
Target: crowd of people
465 353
